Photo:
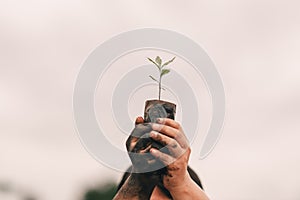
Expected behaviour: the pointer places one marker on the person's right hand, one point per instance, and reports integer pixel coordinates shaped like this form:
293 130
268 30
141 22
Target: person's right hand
132 139
138 146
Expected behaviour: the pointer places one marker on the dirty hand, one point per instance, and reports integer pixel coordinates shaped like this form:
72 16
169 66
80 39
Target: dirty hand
170 134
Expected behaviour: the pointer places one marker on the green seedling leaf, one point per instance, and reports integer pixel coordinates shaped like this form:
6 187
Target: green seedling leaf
164 71
158 60
153 78
166 63
154 63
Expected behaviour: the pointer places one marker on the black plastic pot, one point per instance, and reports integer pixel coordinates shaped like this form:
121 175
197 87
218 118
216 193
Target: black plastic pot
158 109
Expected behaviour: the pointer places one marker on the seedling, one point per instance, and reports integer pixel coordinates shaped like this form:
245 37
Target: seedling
162 71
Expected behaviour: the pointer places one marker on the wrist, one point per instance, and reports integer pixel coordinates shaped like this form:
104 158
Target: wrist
188 190
182 187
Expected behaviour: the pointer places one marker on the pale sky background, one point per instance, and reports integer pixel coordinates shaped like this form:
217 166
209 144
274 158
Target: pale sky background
255 46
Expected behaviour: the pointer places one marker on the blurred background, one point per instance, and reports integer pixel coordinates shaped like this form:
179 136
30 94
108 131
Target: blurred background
255 46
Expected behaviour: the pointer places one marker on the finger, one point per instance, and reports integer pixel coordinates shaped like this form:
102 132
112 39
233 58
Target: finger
139 120
130 143
164 158
167 130
168 122
178 135
170 143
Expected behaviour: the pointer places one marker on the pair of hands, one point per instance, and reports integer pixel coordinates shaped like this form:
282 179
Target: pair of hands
176 179
168 133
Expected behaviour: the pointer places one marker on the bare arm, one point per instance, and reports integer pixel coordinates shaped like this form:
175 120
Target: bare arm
135 189
188 190
138 186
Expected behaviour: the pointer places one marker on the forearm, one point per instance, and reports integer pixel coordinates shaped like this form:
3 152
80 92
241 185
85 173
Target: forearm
134 189
188 190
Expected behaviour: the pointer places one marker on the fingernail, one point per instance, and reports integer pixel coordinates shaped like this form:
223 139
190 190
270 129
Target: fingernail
153 134
158 120
155 126
154 151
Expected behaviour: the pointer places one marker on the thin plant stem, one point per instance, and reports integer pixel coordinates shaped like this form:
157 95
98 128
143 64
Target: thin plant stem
159 87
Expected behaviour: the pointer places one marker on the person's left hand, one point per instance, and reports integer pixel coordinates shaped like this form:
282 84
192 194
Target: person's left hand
169 132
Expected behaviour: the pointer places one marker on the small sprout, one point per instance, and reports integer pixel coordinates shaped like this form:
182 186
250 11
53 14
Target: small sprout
162 72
